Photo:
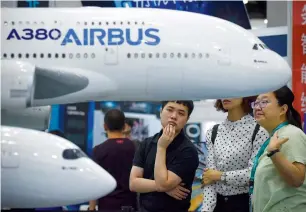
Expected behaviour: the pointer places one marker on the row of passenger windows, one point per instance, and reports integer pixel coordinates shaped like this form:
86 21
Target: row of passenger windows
167 55
112 22
49 55
79 23
92 55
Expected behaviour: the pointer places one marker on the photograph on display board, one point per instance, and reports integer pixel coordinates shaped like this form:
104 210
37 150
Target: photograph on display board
139 131
137 107
194 132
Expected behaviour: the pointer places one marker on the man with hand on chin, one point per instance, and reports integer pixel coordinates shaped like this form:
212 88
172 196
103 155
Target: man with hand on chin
165 164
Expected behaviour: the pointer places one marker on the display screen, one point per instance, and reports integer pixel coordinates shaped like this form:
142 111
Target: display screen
32 3
78 138
130 106
75 124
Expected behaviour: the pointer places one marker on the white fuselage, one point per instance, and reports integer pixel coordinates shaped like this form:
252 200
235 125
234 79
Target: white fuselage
40 170
139 54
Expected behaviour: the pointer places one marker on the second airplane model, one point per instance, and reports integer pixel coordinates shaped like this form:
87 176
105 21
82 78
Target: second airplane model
39 169
67 55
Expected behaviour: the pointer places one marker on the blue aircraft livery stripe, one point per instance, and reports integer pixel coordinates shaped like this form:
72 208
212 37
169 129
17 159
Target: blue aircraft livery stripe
277 43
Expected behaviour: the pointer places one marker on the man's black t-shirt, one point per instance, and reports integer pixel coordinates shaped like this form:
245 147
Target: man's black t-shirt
116 157
181 158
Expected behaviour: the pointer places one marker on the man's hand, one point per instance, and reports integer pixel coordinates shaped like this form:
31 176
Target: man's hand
92 205
179 192
210 176
167 137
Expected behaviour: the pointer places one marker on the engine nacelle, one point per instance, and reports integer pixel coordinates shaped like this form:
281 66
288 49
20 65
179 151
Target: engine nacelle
17 80
25 85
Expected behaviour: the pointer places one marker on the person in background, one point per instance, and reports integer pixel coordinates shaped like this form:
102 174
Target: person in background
115 155
232 146
128 133
165 164
278 181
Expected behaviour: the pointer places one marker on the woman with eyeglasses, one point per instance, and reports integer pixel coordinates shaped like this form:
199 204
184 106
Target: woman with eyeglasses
231 146
278 174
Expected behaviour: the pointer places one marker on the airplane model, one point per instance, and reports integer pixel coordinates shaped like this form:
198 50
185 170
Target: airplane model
41 170
69 55
60 56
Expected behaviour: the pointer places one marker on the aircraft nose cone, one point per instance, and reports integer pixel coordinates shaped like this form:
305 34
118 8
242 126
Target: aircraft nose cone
271 75
285 70
280 72
105 183
108 182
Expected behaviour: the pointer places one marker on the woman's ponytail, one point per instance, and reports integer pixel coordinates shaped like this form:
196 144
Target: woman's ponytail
294 117
284 95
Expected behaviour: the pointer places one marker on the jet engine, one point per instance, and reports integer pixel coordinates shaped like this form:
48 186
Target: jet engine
26 85
17 80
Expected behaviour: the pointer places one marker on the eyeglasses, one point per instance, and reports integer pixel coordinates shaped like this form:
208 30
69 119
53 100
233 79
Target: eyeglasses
261 104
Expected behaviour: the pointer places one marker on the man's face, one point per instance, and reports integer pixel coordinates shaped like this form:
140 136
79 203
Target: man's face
127 130
174 114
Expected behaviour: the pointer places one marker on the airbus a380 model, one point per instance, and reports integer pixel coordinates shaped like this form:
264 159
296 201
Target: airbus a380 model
39 169
67 55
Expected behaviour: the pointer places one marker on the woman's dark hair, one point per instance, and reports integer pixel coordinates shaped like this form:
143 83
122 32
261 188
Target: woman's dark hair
286 97
246 104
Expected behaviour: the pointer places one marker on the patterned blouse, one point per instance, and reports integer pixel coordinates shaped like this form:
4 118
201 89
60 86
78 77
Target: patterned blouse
233 153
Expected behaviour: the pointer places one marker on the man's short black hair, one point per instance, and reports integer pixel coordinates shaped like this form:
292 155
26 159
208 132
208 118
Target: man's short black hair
114 119
188 104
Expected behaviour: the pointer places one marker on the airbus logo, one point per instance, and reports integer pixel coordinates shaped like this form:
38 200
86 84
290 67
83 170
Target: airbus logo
69 168
90 37
260 61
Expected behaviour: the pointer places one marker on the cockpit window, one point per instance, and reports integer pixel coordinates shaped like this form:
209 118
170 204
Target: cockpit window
265 46
255 47
259 46
72 154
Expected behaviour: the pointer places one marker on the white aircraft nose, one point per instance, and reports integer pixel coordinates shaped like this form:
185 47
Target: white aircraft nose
284 68
272 72
279 72
91 182
107 182
100 181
